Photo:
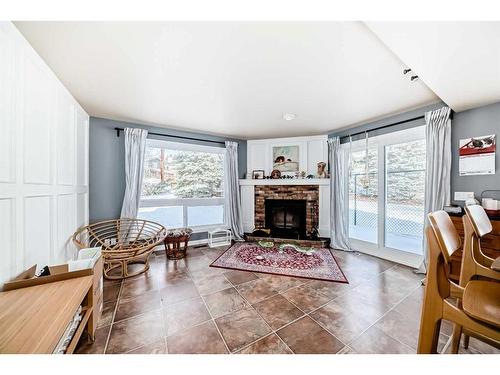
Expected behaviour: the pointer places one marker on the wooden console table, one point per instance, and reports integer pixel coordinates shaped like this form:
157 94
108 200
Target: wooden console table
33 319
490 244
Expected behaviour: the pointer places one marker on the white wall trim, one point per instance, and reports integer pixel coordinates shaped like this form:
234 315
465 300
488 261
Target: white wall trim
44 161
313 149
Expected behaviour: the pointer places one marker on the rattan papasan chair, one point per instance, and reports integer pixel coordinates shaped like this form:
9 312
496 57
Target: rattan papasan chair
123 242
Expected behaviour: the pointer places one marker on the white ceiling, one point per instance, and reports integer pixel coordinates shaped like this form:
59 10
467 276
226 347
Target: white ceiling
235 79
459 61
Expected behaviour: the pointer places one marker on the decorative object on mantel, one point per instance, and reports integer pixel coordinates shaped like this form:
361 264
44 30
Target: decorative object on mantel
258 174
322 170
250 256
275 174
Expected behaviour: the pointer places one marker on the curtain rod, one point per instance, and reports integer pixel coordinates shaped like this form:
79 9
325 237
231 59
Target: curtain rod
118 130
382 127
388 125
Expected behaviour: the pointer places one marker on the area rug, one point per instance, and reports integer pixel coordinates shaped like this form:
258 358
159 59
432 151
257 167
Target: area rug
318 264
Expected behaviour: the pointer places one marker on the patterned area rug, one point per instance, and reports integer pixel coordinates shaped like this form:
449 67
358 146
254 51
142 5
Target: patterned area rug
286 260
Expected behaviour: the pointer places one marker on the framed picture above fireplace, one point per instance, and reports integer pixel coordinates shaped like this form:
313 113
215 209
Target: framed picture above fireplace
286 158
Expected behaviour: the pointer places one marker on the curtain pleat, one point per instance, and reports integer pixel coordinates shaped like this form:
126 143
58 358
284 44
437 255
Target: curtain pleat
135 147
232 191
438 166
339 205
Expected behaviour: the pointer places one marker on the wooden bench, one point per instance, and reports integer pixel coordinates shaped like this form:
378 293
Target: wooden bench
33 319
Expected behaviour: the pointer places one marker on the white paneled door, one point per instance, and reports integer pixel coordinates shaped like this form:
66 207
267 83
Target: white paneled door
43 160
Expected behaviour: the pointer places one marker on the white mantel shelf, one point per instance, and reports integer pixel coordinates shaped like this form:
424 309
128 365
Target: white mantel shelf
285 181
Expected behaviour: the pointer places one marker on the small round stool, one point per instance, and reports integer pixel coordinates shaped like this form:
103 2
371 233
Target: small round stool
176 242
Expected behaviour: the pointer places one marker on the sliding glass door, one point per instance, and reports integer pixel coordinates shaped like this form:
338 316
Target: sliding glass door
386 195
404 195
363 196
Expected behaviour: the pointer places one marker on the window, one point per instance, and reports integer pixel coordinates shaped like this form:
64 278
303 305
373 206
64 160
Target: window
183 185
386 198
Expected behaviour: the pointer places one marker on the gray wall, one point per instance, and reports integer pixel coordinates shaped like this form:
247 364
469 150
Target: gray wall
107 164
474 122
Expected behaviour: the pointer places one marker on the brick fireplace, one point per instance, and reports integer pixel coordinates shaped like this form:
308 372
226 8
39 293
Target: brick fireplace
307 193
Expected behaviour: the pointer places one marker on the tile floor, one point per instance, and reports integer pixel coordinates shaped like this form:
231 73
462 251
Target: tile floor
187 307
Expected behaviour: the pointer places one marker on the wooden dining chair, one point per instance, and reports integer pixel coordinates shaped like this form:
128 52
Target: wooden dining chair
480 309
474 262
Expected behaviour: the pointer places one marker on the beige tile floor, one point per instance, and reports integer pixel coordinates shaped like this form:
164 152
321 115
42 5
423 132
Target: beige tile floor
187 307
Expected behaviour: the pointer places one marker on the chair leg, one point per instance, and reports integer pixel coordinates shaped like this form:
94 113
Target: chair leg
466 341
429 334
457 334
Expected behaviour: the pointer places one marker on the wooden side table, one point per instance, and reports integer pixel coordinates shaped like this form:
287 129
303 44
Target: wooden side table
176 243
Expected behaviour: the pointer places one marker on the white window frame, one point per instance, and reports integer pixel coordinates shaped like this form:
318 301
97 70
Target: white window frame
380 142
188 202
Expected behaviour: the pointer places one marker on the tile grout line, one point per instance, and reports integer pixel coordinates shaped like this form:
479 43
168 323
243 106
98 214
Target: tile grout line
382 316
367 281
189 273
202 297
314 320
293 321
113 317
212 319
271 328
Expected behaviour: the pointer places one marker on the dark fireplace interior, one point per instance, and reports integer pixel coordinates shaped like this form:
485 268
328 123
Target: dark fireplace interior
286 218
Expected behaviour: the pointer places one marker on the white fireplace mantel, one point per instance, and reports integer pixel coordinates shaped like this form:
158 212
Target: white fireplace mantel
285 181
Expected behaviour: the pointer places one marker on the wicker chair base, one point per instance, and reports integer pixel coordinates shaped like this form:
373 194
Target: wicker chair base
113 264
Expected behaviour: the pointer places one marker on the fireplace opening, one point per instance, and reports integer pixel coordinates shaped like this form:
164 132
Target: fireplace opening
286 218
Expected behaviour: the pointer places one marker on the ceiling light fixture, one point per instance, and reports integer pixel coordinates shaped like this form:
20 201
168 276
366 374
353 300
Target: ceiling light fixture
289 116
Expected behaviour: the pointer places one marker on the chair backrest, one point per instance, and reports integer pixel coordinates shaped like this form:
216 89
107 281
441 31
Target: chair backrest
479 219
446 233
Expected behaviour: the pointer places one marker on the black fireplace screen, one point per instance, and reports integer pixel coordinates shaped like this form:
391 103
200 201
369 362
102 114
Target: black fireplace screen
286 218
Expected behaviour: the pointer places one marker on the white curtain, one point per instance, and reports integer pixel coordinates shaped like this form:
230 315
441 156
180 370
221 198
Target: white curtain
135 147
438 167
339 203
232 191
